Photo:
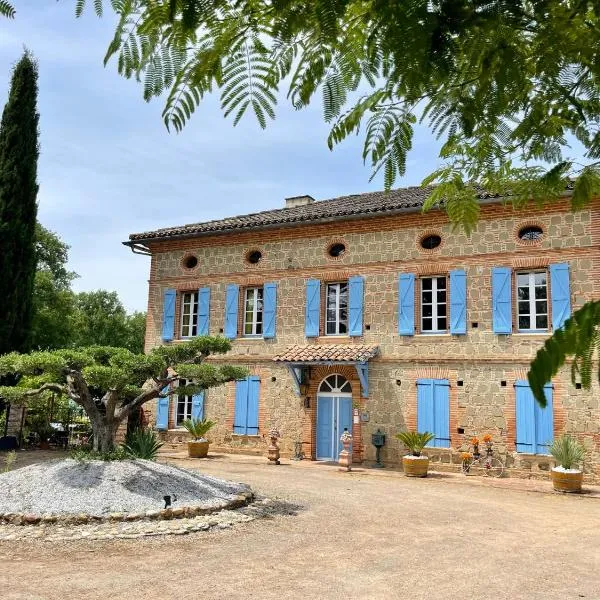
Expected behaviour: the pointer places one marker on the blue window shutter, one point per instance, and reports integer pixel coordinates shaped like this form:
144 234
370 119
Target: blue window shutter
313 306
162 413
502 299
544 422
425 407
441 413
269 309
203 310
524 402
406 304
168 330
198 406
253 396
561 294
231 311
240 417
355 305
458 302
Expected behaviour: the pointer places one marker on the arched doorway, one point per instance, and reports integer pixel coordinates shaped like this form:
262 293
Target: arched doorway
334 414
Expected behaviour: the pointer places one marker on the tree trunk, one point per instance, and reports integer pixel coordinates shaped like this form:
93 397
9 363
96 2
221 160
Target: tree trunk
104 435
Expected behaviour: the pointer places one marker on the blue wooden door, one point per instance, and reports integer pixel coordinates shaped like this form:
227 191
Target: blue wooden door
334 413
324 427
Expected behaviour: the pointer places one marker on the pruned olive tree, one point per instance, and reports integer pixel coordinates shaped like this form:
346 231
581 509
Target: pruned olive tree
110 383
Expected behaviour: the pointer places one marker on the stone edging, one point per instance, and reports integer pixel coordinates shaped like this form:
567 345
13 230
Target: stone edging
181 512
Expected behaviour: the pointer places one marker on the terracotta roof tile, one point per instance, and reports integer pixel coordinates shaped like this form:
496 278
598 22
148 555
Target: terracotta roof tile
408 199
328 352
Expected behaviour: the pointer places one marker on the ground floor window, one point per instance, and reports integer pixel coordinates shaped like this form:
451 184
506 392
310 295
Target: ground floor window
535 425
184 406
433 410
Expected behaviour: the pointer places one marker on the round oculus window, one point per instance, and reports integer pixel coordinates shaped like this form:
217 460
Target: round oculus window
190 262
430 242
254 257
531 233
336 250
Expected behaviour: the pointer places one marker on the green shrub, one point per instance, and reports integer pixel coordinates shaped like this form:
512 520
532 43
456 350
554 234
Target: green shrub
567 451
9 460
415 441
198 429
142 443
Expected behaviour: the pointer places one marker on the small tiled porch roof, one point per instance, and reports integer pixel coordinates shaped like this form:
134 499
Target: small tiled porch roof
312 353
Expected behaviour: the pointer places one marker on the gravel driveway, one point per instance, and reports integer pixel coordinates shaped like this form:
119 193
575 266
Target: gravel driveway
359 535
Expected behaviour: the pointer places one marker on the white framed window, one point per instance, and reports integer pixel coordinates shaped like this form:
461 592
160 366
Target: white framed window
184 406
189 314
253 312
336 309
434 301
532 301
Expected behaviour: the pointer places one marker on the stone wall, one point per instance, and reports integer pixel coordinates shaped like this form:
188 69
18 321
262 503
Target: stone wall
380 249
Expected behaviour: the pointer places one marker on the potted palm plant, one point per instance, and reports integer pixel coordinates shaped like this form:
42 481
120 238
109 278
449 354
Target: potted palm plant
198 446
414 464
568 453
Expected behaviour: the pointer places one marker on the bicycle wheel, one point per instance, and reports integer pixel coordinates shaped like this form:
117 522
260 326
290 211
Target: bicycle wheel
492 467
465 467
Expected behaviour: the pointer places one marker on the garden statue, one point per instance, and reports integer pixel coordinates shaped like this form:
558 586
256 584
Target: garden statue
345 458
273 449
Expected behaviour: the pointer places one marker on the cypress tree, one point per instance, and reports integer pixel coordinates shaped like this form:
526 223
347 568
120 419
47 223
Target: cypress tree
19 151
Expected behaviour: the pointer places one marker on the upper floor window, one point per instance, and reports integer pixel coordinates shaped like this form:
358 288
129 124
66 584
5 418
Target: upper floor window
189 314
532 301
336 309
184 406
253 312
433 305
531 233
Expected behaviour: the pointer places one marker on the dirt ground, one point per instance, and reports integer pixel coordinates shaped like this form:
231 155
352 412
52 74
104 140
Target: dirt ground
365 534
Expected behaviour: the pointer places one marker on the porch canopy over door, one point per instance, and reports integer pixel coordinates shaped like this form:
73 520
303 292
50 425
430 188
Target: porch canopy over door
298 357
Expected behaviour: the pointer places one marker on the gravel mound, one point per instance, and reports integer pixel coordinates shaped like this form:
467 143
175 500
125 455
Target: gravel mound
98 488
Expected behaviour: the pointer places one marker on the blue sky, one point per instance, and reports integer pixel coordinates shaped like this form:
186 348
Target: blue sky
108 167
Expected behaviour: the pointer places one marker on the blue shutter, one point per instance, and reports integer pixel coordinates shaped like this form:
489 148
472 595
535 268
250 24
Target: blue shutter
198 406
231 310
269 309
240 417
355 305
406 304
502 299
203 310
253 395
441 413
458 302
561 294
544 422
425 407
168 330
162 412
524 408
313 305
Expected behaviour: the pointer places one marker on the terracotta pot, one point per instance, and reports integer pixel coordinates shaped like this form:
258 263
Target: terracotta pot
415 467
198 448
567 482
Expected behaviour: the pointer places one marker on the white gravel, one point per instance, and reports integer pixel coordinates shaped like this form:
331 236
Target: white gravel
99 488
563 470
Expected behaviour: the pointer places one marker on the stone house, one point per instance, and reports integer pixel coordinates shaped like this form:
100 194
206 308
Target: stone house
363 312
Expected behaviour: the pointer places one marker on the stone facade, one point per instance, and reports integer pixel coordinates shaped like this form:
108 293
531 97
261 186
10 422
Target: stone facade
481 366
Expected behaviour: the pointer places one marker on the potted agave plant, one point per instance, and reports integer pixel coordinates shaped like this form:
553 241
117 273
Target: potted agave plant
568 453
198 446
414 464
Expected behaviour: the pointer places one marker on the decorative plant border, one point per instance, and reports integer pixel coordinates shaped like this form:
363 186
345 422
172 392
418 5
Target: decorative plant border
425 234
529 243
181 512
332 243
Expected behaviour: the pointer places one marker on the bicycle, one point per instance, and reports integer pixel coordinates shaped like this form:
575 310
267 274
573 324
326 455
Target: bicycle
482 464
